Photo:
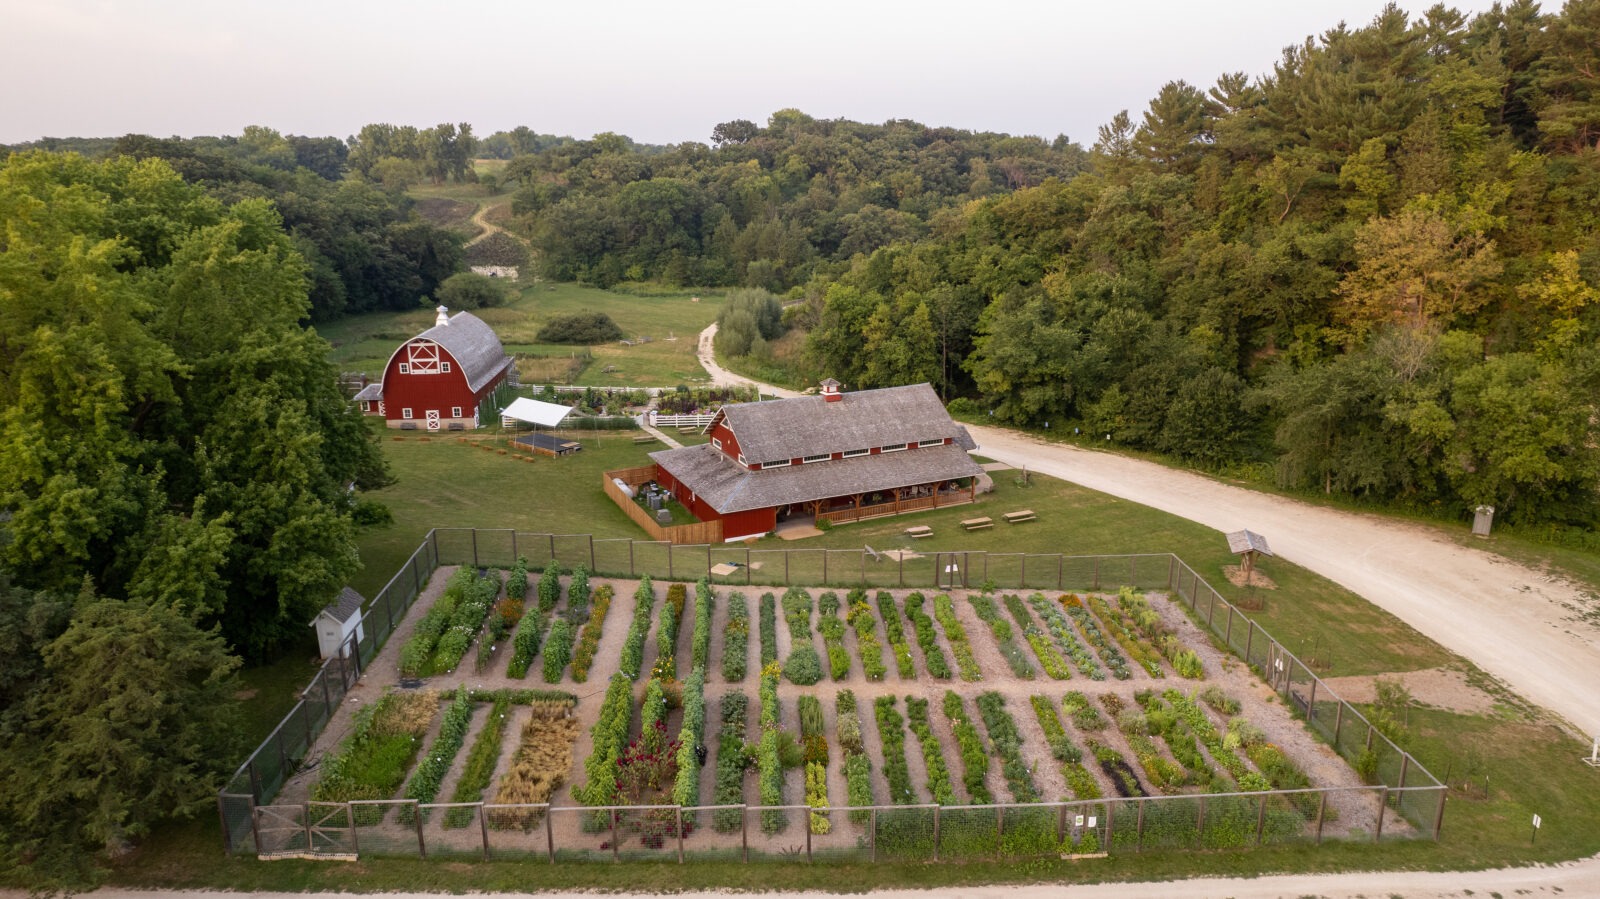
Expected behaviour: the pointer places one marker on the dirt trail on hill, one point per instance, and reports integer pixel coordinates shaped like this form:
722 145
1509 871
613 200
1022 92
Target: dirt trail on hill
480 219
1522 626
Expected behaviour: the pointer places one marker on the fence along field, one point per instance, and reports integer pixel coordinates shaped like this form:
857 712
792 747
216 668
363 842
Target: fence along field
1143 755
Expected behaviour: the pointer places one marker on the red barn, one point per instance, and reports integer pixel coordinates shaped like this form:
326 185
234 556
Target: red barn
838 457
438 379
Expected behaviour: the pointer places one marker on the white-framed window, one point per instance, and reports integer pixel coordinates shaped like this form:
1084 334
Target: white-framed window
444 367
742 461
405 369
716 443
821 457
892 448
780 463
938 442
366 406
406 412
851 454
455 411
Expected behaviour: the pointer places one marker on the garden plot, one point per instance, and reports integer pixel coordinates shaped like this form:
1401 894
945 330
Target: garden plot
696 696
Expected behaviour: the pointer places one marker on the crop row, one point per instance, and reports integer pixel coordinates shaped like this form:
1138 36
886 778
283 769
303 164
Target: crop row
974 755
1133 644
1063 750
1139 613
430 772
1049 656
814 737
769 767
803 666
832 628
1007 743
945 611
1004 637
540 765
1091 632
631 661
1061 629
736 639
731 762
859 617
589 641
417 653
857 767
892 735
610 737
932 752
927 637
769 629
896 635
700 640
691 736
480 764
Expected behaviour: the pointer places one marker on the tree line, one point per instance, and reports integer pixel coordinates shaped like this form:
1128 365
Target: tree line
1373 269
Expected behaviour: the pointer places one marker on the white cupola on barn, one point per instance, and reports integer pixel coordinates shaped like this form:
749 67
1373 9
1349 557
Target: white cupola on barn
443 319
830 390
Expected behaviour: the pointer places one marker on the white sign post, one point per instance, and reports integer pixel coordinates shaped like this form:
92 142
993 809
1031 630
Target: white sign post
1593 760
1537 821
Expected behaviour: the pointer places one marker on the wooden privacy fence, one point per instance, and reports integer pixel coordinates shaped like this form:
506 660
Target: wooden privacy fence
704 532
1401 783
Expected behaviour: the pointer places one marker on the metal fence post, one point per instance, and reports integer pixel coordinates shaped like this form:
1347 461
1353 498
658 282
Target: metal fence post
227 833
1061 562
1322 806
872 834
549 834
514 556
1438 821
806 820
679 813
416 815
936 810
255 827
1200 822
744 832
1061 822
591 552
1338 721
630 559
669 562
1248 641
1138 828
1096 573
1383 805
1023 585
1261 818
474 547
615 856
483 825
824 567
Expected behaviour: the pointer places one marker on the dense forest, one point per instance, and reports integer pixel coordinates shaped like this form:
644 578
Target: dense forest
1373 268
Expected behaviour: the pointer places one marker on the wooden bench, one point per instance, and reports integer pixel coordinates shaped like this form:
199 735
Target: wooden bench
1020 516
977 524
644 438
920 530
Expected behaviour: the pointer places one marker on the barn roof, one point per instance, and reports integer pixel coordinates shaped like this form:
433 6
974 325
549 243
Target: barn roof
729 487
811 426
471 343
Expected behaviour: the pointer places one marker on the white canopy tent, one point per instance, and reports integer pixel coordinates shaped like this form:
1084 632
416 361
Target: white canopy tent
534 412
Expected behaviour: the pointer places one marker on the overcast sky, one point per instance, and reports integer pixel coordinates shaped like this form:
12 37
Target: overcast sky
659 72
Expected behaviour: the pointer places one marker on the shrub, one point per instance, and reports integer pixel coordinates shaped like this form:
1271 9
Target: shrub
803 667
1219 701
797 615
517 581
578 593
549 588
583 328
525 644
736 639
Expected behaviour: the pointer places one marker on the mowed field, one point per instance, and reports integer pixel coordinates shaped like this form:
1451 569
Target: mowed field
671 321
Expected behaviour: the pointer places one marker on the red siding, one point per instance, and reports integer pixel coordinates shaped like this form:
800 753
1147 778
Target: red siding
730 443
421 393
749 524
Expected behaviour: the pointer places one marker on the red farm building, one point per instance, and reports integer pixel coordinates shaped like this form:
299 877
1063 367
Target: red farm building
439 379
837 457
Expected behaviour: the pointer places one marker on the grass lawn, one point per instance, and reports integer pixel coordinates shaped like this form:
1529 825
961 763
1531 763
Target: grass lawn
1530 767
671 321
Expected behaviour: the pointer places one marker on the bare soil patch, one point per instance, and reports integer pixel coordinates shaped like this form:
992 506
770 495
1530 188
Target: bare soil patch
1441 688
1236 576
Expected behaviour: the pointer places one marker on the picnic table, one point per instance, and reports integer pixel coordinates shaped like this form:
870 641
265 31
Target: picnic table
644 438
975 524
1020 515
920 530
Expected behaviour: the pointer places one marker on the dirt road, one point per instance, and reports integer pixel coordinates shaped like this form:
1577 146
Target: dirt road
1518 624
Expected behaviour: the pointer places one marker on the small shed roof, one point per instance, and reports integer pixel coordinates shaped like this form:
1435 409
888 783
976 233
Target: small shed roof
536 412
1248 541
345 606
370 393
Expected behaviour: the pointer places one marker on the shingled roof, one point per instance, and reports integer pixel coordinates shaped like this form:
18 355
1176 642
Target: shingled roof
803 426
729 487
473 344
